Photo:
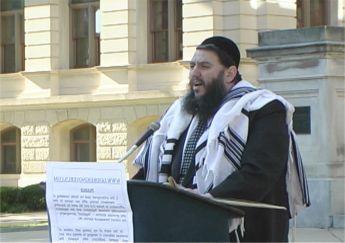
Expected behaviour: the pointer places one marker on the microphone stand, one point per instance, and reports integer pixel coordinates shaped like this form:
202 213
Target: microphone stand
127 154
152 128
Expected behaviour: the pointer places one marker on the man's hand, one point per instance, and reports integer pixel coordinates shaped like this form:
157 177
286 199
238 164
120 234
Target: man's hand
173 184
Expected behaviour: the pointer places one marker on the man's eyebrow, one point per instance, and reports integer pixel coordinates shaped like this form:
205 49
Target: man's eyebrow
201 62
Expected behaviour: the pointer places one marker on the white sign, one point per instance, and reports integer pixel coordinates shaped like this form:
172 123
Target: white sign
88 202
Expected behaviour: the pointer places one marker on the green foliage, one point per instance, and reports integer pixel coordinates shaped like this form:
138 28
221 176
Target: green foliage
26 199
8 194
33 197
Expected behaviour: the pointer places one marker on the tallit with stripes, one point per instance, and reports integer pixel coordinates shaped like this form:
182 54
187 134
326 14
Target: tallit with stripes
219 149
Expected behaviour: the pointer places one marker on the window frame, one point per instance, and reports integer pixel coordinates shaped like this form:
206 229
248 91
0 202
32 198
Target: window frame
17 144
19 43
93 37
174 45
305 17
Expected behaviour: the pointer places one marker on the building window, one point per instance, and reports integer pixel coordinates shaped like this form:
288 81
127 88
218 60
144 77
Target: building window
315 12
10 151
83 143
12 36
85 40
165 18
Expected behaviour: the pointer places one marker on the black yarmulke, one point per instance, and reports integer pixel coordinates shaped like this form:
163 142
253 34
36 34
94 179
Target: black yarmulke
224 44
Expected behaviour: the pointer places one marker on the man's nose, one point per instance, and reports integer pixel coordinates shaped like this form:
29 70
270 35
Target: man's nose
195 72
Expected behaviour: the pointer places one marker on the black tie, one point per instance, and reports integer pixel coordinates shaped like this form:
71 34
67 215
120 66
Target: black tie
190 149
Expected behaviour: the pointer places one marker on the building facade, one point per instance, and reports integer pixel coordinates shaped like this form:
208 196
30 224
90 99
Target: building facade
80 80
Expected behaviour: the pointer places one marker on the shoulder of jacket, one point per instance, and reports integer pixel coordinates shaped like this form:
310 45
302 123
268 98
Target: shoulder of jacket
271 107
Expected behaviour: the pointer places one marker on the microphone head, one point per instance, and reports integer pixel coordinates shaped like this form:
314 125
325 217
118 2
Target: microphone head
154 126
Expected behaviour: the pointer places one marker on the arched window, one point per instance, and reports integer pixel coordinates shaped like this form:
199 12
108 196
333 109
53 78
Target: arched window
85 39
83 143
165 30
10 151
12 36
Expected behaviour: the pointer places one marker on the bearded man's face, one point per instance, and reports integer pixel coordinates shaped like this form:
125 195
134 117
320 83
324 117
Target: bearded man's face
207 84
205 105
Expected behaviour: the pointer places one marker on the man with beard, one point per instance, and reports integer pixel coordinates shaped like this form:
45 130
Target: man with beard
228 139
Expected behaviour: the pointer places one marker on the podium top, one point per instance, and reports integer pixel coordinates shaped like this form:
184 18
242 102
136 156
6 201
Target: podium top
184 194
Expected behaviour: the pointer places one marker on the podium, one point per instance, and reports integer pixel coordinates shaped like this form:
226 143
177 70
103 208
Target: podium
165 214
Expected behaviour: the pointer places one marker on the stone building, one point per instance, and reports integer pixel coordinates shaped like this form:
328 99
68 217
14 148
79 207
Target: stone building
80 80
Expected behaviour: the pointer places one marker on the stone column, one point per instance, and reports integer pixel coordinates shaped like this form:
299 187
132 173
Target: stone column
306 66
41 39
116 44
197 25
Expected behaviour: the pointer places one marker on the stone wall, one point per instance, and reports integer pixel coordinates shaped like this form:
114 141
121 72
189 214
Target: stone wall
45 133
35 148
111 140
306 66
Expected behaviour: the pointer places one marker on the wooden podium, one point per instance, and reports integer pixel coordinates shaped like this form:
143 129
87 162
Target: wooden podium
165 214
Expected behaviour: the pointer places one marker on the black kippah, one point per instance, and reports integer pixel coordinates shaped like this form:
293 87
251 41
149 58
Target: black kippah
223 44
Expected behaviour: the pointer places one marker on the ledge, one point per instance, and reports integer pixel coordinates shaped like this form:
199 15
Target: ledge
324 39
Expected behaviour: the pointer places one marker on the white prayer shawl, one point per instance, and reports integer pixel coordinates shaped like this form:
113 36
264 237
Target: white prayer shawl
219 158
172 125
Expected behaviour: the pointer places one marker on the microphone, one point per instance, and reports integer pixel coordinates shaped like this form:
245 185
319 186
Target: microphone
154 126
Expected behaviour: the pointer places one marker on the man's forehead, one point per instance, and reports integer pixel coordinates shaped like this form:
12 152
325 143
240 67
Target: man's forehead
204 53
205 56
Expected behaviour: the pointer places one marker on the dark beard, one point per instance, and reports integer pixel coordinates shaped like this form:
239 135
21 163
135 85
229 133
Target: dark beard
206 105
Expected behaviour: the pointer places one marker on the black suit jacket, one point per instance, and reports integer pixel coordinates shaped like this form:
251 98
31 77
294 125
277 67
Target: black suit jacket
262 174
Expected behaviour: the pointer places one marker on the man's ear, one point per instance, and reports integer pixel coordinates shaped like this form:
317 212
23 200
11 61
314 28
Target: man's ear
230 74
